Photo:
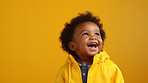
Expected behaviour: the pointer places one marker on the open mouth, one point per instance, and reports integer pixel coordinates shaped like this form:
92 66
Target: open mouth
93 46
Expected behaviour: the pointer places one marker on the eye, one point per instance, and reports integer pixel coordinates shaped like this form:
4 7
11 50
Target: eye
97 34
85 34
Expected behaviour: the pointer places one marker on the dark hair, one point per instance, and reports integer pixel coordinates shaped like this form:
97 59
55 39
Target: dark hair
68 31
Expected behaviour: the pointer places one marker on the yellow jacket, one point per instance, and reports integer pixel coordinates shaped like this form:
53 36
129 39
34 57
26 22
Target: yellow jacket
103 70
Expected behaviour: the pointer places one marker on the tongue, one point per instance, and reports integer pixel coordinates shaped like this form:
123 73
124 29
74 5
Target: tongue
92 47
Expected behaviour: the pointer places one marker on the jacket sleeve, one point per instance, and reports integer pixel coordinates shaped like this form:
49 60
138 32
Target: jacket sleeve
117 75
60 76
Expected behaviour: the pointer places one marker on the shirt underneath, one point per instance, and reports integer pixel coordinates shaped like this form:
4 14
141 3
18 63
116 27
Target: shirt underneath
84 71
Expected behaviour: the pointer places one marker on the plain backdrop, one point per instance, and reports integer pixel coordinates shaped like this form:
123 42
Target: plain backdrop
29 30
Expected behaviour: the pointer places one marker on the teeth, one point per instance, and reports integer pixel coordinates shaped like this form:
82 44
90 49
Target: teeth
93 44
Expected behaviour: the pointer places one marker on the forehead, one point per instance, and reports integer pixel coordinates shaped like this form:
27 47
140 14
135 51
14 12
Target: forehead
88 26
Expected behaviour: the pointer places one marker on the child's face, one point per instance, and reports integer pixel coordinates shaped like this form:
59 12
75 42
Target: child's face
86 40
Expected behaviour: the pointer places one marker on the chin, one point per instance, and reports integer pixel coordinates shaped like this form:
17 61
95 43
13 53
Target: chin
93 54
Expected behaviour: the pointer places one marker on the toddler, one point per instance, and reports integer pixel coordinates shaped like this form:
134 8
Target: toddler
87 62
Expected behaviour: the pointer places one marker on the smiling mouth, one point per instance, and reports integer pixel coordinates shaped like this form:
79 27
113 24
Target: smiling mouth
93 46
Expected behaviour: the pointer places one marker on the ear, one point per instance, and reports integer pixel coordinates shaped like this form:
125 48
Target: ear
72 46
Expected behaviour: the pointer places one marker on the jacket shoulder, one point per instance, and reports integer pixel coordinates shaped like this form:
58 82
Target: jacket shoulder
114 71
61 73
110 64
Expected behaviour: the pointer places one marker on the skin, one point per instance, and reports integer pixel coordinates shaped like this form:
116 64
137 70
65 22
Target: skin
85 34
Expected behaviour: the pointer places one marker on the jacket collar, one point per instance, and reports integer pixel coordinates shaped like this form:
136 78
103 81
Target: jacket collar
97 58
102 56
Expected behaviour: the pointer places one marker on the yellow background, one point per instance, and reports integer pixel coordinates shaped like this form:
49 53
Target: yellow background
29 29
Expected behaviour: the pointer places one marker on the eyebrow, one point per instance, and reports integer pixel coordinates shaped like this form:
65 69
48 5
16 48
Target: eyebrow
86 30
82 31
98 30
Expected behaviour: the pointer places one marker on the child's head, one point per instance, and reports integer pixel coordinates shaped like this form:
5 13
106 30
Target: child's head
83 36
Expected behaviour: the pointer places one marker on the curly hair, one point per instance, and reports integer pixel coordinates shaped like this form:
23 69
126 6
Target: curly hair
68 31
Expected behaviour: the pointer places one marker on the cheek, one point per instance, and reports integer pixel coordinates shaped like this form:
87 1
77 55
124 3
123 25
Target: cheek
100 48
100 43
82 43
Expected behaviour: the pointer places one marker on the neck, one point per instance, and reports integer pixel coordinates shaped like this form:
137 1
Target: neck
88 60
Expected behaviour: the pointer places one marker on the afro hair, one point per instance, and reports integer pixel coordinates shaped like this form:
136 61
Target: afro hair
68 31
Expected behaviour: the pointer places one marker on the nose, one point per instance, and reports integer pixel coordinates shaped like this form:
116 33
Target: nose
92 37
